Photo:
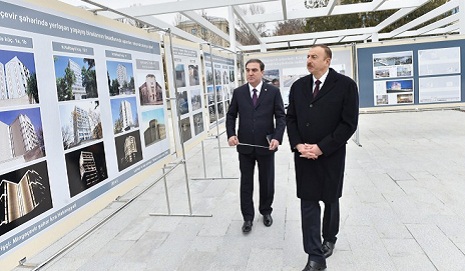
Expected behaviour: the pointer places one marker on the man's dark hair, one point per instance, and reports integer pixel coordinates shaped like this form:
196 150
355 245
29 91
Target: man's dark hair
328 51
256 60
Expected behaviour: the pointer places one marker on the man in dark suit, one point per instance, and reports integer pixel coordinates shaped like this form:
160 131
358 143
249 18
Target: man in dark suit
261 127
321 117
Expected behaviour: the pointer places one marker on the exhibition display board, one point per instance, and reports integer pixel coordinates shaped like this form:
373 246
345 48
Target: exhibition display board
283 68
426 72
186 88
82 109
220 83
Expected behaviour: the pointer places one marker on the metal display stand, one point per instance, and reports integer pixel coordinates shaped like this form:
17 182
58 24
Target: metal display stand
218 134
166 170
356 139
183 151
204 164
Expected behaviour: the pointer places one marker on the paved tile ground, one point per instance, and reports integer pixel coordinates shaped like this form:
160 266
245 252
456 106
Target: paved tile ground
402 209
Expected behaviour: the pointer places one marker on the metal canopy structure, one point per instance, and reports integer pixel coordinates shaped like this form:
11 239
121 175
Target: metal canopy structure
280 10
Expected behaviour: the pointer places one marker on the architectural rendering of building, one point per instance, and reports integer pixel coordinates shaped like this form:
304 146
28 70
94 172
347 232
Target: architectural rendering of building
79 92
5 146
130 149
22 135
81 125
16 75
125 115
121 75
88 169
3 89
150 92
155 132
19 199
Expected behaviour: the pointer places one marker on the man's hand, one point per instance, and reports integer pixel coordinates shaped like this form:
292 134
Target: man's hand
309 151
273 144
233 141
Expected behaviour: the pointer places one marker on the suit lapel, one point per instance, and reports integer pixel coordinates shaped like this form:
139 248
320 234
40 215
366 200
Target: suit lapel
307 89
245 94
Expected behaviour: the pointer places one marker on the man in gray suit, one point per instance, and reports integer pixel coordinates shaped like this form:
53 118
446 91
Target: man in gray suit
261 127
321 117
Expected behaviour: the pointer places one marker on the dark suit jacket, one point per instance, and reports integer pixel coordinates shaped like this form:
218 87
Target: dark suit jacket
255 123
329 120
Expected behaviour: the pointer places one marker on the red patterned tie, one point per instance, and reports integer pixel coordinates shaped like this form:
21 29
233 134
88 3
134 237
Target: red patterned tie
254 97
317 88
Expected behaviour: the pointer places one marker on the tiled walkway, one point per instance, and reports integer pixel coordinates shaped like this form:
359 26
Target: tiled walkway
403 208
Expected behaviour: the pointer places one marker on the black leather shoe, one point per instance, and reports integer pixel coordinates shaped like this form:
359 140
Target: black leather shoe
267 220
327 248
314 266
247 226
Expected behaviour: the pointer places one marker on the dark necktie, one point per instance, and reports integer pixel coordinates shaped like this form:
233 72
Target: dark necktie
254 97
317 88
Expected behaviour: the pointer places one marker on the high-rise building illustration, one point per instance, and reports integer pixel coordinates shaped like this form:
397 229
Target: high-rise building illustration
125 115
130 149
81 125
5 142
155 132
22 135
151 91
88 169
3 89
19 199
121 74
79 92
16 74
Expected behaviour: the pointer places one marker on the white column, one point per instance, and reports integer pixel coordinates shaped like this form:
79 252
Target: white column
232 29
462 17
374 37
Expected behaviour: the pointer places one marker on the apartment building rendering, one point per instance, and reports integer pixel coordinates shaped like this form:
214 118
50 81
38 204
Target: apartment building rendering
13 79
19 141
81 125
79 92
27 195
125 115
150 91
155 132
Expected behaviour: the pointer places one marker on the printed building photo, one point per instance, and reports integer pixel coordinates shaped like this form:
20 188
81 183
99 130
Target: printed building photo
18 81
86 167
24 194
183 104
272 77
198 123
153 126
194 77
128 149
209 74
196 99
120 78
180 79
185 129
21 137
124 114
150 92
80 123
75 78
